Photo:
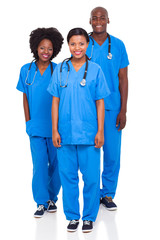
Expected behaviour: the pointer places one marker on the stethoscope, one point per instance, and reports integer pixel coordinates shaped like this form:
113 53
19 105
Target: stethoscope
29 84
83 82
109 56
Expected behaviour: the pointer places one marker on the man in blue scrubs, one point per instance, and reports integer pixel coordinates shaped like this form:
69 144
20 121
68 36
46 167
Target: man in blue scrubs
115 71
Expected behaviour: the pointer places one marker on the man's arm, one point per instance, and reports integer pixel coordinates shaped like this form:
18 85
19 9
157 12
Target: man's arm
123 88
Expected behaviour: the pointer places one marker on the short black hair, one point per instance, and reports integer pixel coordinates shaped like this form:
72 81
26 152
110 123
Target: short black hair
77 31
51 34
99 8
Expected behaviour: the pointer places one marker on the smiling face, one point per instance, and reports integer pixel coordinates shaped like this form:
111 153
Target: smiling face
99 19
78 46
45 50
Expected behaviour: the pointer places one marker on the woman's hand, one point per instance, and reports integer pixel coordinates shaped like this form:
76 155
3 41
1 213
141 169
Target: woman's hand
99 139
56 139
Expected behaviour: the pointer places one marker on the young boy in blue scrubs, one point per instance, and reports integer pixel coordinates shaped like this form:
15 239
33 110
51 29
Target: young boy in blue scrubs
45 44
78 88
110 53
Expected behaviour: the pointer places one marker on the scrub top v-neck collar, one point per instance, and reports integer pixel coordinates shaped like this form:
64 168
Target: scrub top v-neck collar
71 65
103 44
44 73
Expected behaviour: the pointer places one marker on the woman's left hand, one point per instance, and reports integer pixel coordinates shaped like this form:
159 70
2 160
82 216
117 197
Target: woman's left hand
99 139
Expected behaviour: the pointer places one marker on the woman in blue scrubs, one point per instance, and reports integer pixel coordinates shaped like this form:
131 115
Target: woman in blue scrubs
77 125
45 44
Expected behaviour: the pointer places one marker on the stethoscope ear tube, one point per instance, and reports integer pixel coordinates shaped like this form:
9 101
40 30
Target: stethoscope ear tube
65 60
83 82
109 47
29 84
34 60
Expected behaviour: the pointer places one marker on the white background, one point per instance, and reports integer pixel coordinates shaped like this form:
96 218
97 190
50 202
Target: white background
138 194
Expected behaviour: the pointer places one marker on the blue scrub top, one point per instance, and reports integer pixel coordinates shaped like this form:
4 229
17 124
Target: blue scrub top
77 107
110 67
39 100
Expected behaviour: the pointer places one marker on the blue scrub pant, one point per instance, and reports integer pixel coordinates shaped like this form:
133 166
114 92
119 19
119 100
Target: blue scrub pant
46 181
111 154
87 159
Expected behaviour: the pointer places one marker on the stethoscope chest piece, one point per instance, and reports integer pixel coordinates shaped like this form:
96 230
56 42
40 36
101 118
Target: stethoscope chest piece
109 56
83 83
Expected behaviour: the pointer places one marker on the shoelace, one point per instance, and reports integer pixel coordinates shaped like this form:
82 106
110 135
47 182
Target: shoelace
51 203
40 207
73 222
86 222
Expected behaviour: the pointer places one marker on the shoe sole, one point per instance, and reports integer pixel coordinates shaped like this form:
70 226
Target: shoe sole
87 231
71 231
52 211
36 216
110 209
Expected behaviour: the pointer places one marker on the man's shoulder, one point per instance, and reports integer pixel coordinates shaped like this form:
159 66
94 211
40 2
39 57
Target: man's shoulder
116 40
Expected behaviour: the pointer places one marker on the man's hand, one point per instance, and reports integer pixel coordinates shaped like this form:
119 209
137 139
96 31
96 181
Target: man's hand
121 120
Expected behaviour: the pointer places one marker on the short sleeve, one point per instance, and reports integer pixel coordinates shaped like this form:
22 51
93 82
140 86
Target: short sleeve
53 87
124 56
102 89
21 81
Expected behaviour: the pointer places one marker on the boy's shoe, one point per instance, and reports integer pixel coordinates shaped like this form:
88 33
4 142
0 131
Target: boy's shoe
73 225
108 203
87 226
40 211
51 206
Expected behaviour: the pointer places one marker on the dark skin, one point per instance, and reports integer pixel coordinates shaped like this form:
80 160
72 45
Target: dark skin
99 20
45 51
26 108
78 46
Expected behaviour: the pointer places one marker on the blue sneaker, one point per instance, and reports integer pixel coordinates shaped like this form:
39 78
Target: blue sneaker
108 203
40 211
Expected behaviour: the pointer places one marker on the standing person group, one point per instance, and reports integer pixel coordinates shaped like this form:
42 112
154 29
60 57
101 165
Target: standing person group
86 96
